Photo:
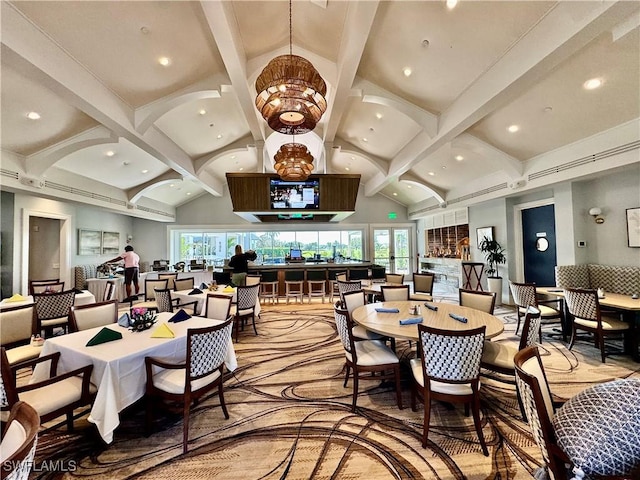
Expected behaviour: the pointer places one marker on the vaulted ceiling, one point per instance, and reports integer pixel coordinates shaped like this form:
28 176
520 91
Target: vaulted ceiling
420 96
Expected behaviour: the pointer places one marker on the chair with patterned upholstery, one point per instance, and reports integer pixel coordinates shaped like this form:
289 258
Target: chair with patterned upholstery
369 359
584 307
448 370
217 306
483 301
247 299
395 293
19 440
524 296
17 324
348 286
538 404
58 395
334 278
92 315
176 386
150 287
41 286
167 304
52 310
423 287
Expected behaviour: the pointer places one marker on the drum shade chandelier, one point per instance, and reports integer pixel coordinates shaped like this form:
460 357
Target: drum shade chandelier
292 93
292 100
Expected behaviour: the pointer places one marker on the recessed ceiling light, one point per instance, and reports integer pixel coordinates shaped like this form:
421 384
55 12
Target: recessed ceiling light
172 185
188 193
593 83
395 194
378 116
408 186
144 171
353 158
451 4
202 111
459 158
110 153
164 61
431 174
444 167
144 30
425 43
513 128
365 140
33 116
241 168
219 136
347 169
548 109
233 157
125 163
407 72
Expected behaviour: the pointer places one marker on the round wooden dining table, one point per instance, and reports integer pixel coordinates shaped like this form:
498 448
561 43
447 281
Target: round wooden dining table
388 324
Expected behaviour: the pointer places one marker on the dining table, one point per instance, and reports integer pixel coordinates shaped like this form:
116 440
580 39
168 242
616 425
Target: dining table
83 298
119 366
387 321
599 429
189 295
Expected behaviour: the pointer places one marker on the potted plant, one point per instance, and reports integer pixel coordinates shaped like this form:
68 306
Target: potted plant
494 255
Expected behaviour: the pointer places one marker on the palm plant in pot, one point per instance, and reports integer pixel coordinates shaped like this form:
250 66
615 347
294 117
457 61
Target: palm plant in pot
494 255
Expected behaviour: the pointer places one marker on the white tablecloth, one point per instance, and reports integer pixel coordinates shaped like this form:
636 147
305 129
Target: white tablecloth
97 286
83 298
199 277
118 366
186 297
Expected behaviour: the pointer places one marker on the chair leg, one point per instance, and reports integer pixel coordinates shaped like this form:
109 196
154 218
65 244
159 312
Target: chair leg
70 421
223 405
346 376
185 425
600 339
427 419
396 372
253 319
148 417
573 336
476 421
355 390
518 315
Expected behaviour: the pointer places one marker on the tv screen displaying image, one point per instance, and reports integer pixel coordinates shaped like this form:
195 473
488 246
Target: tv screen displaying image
295 195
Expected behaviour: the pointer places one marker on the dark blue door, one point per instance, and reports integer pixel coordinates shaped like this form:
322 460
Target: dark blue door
539 244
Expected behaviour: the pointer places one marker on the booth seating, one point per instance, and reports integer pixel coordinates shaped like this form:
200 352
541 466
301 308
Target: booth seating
624 280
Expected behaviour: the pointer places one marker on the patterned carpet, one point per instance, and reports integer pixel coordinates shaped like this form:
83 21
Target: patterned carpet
290 418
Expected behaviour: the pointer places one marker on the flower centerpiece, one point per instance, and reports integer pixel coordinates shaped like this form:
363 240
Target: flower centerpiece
142 319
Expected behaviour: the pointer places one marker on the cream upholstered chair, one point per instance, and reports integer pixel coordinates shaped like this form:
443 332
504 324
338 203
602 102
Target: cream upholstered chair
316 284
17 324
423 287
395 278
169 276
369 359
167 304
334 278
353 300
41 286
178 386
538 404
19 440
448 370
84 317
217 306
186 283
584 307
56 396
394 293
294 284
483 301
150 287
269 286
247 299
348 286
524 295
52 310
252 280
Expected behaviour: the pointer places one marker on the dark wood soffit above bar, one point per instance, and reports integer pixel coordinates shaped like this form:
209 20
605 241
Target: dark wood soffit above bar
250 197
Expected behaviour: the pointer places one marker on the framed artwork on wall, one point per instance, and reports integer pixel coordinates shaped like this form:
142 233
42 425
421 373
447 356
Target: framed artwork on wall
483 232
633 227
110 243
89 242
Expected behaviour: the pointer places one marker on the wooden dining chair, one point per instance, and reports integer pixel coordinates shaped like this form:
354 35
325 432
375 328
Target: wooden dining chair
40 286
178 386
353 300
246 301
539 406
19 439
334 278
217 306
52 310
92 315
369 359
394 293
448 370
58 395
395 278
150 287
165 303
17 324
348 286
423 287
483 301
185 283
524 295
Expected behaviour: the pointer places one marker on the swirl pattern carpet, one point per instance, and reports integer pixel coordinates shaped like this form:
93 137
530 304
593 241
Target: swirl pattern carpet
290 418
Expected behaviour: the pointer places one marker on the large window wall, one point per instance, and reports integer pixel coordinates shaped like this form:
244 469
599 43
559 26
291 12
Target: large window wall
216 245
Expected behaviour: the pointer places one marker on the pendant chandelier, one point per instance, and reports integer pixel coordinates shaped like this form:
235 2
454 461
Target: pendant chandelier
291 92
293 162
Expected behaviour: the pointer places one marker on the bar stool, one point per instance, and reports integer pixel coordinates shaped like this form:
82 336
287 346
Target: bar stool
472 275
334 276
294 284
316 284
269 286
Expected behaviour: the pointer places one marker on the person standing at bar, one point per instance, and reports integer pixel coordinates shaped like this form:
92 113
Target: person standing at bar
240 264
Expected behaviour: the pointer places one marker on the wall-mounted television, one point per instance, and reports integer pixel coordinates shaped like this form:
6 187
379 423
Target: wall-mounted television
298 195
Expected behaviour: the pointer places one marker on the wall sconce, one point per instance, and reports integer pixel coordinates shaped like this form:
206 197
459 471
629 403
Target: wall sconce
596 213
